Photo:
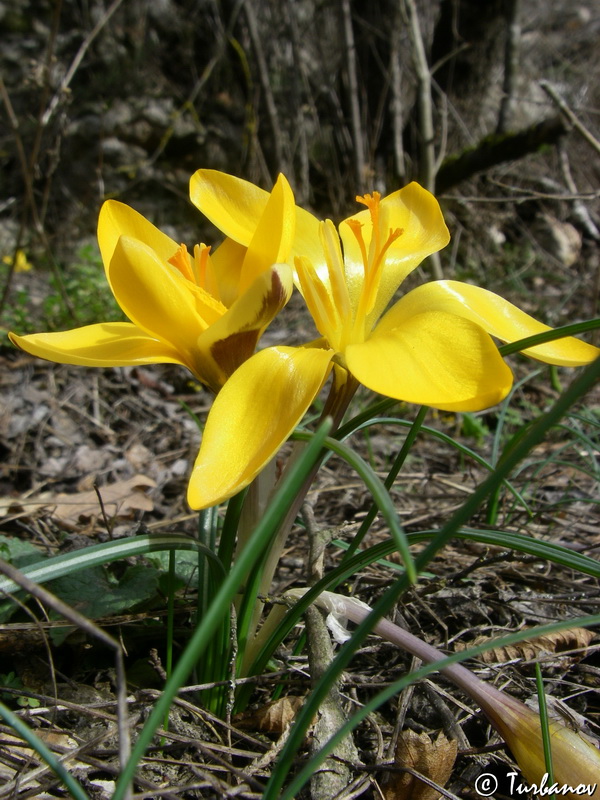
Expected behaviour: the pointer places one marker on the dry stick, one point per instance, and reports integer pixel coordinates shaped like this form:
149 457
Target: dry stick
42 633
27 169
299 87
14 124
37 222
357 133
28 165
334 774
93 630
47 85
511 64
575 122
425 105
397 104
263 74
497 149
580 210
83 48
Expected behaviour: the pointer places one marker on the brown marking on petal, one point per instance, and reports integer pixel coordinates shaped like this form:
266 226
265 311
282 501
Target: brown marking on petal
229 353
273 301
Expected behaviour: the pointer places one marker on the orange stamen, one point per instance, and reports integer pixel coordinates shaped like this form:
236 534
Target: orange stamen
356 226
392 236
375 259
201 253
181 261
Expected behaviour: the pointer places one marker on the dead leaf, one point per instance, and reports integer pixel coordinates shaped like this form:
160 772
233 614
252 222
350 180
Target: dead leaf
120 501
20 757
273 717
559 642
432 760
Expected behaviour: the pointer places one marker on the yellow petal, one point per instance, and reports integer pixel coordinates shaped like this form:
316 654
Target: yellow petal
252 416
307 242
417 213
117 219
159 300
319 302
233 338
234 205
272 239
106 344
434 359
495 315
227 262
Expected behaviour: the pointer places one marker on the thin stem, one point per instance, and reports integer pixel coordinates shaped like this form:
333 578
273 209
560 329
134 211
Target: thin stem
341 393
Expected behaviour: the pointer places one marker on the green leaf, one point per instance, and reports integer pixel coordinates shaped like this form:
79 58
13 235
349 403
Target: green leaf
96 594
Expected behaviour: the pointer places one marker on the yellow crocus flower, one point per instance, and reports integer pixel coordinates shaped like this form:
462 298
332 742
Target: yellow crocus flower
202 310
432 347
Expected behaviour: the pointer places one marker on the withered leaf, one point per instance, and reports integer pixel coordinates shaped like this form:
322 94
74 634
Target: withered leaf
15 755
432 760
558 642
273 717
120 500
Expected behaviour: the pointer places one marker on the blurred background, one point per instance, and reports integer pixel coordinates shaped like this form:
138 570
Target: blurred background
492 104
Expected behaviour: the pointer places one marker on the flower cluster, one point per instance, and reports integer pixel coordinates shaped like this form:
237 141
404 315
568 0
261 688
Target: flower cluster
207 311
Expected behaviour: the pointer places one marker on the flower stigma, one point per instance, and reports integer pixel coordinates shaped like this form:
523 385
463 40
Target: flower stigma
200 273
337 318
373 261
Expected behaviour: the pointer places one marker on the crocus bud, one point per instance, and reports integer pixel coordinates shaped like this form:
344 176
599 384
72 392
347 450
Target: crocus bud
575 762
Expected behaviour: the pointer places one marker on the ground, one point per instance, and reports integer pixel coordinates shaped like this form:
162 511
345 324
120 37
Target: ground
90 455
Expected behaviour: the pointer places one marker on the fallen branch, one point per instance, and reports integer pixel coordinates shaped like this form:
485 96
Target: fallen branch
498 148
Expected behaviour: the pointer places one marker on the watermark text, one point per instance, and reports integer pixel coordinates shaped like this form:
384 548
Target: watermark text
487 783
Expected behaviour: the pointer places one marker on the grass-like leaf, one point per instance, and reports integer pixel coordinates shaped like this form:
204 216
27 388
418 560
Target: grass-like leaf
398 686
68 563
550 336
44 752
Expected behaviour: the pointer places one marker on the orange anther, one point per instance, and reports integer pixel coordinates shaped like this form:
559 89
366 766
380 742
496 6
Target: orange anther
181 261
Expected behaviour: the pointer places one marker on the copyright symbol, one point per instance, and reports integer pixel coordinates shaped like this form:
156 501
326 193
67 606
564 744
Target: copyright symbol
486 784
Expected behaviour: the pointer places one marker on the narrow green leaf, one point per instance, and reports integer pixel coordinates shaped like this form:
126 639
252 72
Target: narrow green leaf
544 724
550 336
68 563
